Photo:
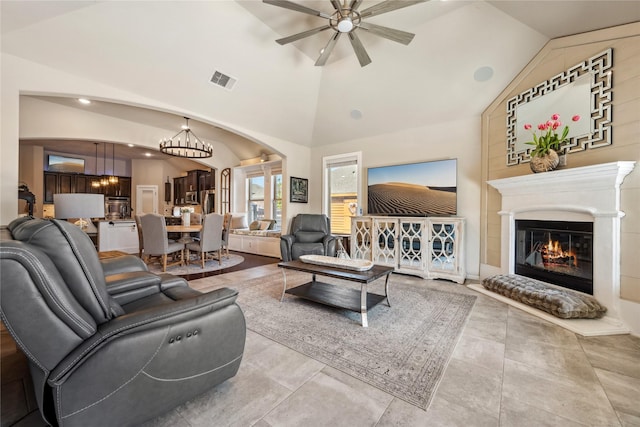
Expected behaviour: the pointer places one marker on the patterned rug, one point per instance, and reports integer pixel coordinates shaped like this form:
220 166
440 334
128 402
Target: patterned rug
210 265
404 351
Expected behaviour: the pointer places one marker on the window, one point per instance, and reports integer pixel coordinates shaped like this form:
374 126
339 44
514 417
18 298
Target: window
342 182
264 192
225 191
277 199
255 203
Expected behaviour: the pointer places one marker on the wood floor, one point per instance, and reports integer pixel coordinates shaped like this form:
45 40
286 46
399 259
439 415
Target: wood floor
18 398
250 261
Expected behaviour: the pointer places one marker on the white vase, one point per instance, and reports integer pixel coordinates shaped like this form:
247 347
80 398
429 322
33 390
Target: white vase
186 219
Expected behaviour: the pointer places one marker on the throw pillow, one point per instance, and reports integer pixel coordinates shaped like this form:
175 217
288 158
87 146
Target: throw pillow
264 225
255 225
560 302
238 221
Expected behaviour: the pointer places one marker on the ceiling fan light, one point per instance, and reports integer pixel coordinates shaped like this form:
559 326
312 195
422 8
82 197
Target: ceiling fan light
345 25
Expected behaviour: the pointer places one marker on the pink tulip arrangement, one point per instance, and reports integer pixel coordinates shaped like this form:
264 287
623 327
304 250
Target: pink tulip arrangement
549 138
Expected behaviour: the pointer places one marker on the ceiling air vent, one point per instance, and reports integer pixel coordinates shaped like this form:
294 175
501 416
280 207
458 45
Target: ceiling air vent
223 80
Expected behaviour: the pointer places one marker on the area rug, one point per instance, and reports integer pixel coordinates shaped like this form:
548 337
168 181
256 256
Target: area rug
404 351
210 265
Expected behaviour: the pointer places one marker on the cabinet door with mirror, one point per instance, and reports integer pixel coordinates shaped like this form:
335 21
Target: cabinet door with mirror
445 247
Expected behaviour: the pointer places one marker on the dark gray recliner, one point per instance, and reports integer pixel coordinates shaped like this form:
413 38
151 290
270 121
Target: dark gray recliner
114 350
310 234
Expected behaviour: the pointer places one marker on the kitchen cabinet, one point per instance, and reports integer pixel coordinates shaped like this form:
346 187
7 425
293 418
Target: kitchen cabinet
122 188
50 186
207 181
192 183
125 187
179 190
55 182
82 184
66 183
59 182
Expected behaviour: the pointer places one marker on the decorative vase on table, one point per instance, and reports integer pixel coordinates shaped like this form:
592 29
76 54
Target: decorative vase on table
186 219
544 163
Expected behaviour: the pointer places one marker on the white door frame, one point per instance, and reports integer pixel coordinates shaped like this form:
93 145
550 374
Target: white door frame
140 191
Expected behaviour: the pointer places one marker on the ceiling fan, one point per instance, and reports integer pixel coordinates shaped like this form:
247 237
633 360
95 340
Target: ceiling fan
347 19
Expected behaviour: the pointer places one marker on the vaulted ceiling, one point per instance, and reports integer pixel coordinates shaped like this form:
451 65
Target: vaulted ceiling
168 51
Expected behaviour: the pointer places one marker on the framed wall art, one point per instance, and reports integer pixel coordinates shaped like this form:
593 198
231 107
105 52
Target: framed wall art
299 190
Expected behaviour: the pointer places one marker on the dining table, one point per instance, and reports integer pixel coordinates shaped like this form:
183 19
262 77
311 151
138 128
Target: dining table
186 231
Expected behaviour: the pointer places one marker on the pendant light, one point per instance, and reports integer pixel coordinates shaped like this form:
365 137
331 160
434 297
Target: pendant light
104 181
96 183
113 179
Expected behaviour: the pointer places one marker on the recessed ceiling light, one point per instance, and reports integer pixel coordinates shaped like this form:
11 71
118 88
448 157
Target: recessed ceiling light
84 101
483 74
131 145
356 114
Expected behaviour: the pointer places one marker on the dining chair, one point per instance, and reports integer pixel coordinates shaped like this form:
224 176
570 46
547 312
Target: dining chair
210 238
226 226
140 239
156 242
196 219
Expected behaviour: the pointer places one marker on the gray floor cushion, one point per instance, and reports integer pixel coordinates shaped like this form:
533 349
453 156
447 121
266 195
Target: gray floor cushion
560 302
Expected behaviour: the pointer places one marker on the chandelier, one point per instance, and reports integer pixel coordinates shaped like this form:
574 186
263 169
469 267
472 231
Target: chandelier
191 146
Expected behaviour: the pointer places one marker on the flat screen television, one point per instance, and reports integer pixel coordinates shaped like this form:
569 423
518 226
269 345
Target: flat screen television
413 189
65 164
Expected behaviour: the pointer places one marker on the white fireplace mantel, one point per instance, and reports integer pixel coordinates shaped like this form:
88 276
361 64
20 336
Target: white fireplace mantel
590 193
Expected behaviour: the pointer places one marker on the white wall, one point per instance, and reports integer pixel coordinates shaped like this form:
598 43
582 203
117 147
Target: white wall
19 76
459 139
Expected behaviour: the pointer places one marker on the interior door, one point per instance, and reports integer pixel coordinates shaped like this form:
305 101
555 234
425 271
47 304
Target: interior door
146 199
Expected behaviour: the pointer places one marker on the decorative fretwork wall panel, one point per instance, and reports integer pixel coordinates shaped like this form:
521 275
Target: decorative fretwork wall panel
599 67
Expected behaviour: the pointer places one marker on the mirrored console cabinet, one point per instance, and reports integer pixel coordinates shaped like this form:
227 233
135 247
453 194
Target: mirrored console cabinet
430 247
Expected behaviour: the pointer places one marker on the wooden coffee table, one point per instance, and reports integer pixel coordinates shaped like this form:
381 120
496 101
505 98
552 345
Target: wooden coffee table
335 295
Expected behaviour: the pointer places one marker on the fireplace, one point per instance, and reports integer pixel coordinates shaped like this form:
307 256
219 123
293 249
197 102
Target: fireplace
557 252
568 197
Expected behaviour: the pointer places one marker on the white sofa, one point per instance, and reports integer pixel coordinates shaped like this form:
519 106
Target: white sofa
242 238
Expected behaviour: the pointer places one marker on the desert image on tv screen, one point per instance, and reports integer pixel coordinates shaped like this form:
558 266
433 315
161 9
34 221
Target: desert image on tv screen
415 189
65 164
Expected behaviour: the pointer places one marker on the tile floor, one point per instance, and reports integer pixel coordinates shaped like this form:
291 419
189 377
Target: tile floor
508 369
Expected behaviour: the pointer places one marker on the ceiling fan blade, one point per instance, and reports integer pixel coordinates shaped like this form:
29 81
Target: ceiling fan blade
388 6
355 4
322 59
297 7
302 35
336 5
361 53
388 33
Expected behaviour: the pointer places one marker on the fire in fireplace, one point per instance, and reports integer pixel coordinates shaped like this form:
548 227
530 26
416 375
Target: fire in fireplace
557 252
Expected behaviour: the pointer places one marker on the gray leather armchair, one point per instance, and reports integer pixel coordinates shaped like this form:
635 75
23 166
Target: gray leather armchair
112 350
310 234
